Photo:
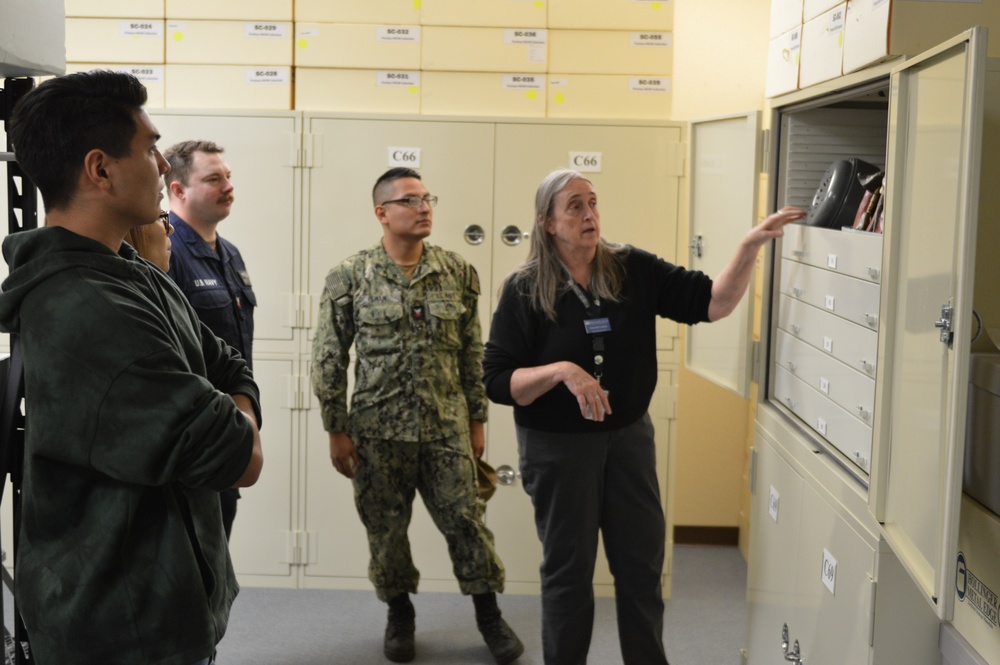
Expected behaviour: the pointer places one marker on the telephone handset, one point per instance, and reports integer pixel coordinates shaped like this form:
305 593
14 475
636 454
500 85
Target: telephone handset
840 191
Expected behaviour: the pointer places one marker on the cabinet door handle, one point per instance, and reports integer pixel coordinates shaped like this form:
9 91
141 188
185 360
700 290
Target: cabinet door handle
796 328
867 366
864 413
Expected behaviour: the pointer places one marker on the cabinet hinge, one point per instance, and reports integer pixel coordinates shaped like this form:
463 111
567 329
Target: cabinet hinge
752 471
310 150
300 310
300 548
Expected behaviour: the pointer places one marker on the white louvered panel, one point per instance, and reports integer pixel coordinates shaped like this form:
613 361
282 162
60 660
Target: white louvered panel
816 139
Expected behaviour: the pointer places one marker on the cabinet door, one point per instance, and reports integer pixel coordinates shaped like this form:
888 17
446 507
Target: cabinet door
455 160
636 178
260 149
776 517
260 539
348 155
933 165
723 195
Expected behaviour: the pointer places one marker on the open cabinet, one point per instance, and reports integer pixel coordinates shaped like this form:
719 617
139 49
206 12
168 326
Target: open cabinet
864 363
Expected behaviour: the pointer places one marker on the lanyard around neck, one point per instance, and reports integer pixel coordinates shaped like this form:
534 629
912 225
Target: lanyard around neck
594 324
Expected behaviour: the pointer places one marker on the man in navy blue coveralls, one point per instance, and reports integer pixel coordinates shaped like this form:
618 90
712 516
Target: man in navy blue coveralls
208 268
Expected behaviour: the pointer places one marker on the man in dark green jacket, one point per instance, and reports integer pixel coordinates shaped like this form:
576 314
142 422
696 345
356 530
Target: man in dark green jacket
136 414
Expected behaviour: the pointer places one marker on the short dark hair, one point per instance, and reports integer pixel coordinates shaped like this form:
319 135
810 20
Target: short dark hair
54 126
389 177
180 157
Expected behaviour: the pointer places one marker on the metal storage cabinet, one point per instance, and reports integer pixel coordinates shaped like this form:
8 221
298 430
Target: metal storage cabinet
862 380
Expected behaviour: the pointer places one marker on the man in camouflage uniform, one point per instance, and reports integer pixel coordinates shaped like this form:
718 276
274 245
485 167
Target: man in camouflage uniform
417 410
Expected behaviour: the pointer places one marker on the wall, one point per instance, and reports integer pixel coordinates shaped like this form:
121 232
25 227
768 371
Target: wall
721 59
720 70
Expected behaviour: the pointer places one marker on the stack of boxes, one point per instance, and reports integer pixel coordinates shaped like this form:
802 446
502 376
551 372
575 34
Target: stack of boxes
522 58
121 35
817 40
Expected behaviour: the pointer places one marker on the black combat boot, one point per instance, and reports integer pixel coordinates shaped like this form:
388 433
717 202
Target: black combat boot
399 646
501 640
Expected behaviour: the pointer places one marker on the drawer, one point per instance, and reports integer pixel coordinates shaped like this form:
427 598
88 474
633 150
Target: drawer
848 297
113 40
114 8
228 87
357 90
232 10
484 13
846 386
151 76
834 424
507 50
397 12
611 52
610 14
852 344
610 96
229 42
464 93
357 46
854 253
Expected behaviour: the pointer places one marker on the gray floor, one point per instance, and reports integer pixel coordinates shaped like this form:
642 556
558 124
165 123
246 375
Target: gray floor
705 622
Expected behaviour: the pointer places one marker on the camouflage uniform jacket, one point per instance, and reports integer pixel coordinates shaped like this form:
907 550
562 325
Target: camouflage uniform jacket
418 343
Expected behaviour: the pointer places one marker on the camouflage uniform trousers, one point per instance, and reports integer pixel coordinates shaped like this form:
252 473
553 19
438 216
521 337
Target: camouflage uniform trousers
443 471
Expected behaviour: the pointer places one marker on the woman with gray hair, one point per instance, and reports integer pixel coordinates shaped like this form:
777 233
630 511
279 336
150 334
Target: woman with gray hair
572 348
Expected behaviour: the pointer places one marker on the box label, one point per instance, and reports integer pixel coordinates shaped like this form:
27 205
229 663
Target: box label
398 33
267 75
829 571
649 84
141 28
523 81
398 78
660 39
532 37
256 29
836 21
145 73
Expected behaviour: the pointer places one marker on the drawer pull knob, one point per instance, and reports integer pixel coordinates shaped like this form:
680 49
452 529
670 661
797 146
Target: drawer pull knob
792 366
867 366
797 291
790 402
864 413
871 319
874 273
796 328
799 252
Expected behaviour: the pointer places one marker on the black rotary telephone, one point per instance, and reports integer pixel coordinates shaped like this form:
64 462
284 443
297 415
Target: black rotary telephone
840 191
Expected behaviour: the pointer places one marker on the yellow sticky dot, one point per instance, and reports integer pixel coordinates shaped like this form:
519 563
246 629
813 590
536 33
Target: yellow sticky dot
178 36
303 43
414 89
656 5
531 94
539 4
416 4
840 39
559 98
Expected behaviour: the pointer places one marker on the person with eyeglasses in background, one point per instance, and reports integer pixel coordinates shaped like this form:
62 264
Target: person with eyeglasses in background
152 241
209 269
417 410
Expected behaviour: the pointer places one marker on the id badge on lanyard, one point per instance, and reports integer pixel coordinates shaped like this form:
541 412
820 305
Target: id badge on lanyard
595 325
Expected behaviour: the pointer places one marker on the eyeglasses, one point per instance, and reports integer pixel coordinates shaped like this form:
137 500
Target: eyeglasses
167 226
414 201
